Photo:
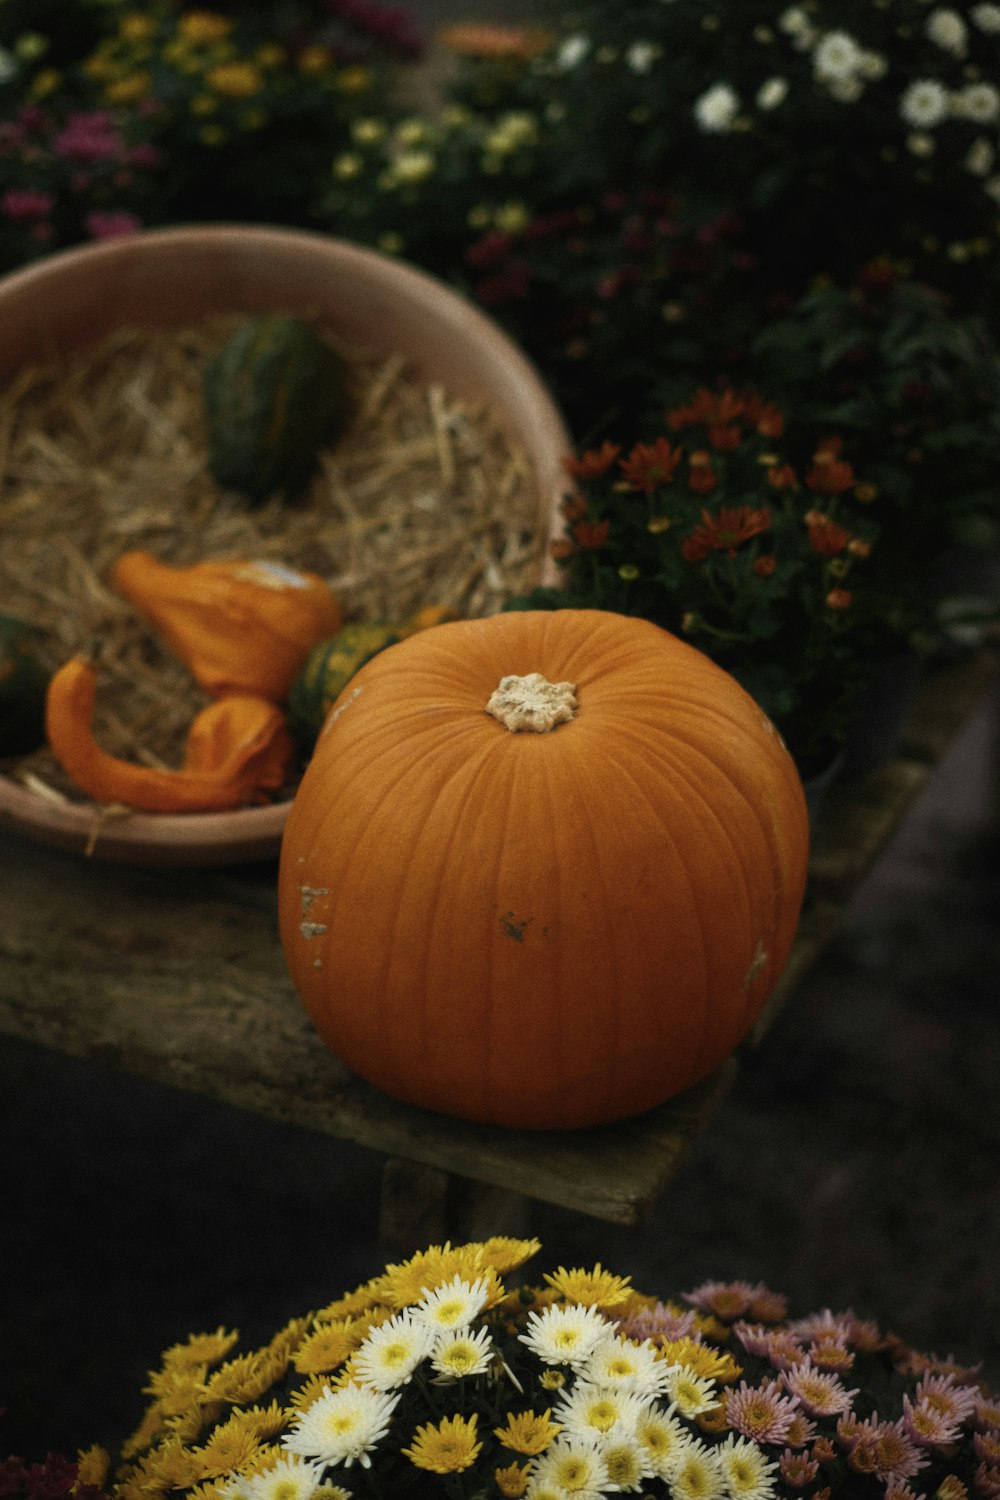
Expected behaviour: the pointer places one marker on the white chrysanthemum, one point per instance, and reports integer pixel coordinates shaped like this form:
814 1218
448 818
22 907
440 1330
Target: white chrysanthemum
947 30
342 1426
836 57
662 1436
745 1469
627 1462
978 102
986 17
564 1335
696 1473
453 1305
592 1409
772 93
624 1365
640 56
690 1392
845 90
873 65
8 65
412 166
391 1352
716 109
919 143
925 103
571 51
980 157
572 1467
458 1355
796 24
993 188
291 1478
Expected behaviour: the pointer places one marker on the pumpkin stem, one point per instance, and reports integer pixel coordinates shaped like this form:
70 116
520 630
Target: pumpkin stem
533 703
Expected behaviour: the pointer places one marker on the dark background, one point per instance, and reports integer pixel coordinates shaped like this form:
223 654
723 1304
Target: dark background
854 1165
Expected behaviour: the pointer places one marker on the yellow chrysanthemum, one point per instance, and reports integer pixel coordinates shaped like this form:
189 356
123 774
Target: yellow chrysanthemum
235 80
512 1481
247 1377
408 1281
270 55
190 1424
702 1359
527 1432
505 1254
171 1466
149 1429
229 1446
352 1304
93 1465
596 1288
328 1346
128 90
202 28
209 1489
178 1388
135 27
303 1396
445 1447
200 1349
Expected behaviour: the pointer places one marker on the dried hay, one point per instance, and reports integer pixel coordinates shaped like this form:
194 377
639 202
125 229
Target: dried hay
424 500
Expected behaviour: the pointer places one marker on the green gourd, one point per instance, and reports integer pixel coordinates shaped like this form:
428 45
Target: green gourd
328 669
275 394
23 685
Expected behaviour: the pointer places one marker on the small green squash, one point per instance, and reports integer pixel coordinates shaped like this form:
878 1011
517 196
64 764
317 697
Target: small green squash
331 665
23 685
327 670
274 395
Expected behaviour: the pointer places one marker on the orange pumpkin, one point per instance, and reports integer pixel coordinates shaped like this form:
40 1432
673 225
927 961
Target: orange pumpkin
541 929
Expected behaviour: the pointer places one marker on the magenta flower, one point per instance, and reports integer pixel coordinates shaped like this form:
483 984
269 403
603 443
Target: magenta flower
24 204
91 137
114 225
761 1412
727 1300
797 1469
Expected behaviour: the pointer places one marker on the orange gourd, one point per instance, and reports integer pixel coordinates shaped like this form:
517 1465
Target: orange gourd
544 929
239 627
238 750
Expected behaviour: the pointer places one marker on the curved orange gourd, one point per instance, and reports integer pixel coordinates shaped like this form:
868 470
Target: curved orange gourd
239 627
237 751
541 930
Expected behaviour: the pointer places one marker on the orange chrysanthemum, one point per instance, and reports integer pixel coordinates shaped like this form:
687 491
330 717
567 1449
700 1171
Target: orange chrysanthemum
649 465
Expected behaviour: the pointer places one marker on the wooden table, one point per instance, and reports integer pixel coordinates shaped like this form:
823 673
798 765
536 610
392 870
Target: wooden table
177 976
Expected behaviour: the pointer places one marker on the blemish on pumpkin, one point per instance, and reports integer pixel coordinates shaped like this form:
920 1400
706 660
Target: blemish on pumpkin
512 928
756 964
312 929
335 713
311 893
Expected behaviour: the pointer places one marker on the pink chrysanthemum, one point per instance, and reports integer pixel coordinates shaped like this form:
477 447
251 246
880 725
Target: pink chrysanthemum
779 1348
797 1469
927 1427
822 1394
831 1355
987 1481
727 1300
801 1430
760 1412
660 1323
986 1446
942 1394
767 1306
822 1327
884 1449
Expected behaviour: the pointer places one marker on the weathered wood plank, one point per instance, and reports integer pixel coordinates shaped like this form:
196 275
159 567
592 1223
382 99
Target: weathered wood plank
178 977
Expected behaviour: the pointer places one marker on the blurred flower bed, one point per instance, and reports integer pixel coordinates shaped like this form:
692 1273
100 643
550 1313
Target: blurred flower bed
652 198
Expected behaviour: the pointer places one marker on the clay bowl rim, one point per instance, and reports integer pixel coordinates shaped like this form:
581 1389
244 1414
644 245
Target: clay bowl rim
254 833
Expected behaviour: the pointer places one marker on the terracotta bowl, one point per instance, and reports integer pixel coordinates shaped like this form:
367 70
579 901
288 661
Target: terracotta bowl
170 277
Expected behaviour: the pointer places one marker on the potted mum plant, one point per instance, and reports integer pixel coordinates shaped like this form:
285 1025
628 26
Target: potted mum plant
753 542
449 1374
